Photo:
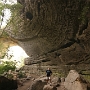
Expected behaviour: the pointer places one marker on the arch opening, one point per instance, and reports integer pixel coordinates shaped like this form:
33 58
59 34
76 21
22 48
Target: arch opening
16 54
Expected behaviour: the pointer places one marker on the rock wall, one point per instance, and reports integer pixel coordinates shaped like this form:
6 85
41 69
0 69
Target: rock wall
56 30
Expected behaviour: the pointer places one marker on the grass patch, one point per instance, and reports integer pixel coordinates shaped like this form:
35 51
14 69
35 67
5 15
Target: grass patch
87 77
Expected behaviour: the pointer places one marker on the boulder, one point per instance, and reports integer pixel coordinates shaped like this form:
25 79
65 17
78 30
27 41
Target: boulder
7 84
48 87
42 78
74 81
55 82
37 85
72 76
27 61
88 86
62 79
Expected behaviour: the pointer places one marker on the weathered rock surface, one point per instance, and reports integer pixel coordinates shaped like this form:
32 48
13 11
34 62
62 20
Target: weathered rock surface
75 82
37 85
7 84
57 29
48 87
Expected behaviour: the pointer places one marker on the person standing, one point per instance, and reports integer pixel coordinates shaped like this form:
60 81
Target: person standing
48 73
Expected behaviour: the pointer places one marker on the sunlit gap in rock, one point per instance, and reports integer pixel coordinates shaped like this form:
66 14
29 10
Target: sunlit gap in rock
6 17
16 54
6 13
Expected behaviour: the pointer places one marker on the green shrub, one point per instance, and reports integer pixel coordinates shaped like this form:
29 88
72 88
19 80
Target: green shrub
21 75
87 77
6 66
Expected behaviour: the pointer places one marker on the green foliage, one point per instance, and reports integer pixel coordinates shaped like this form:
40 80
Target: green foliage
8 6
87 77
1 8
86 72
4 6
4 34
59 74
3 49
6 66
15 9
83 17
15 20
21 74
9 76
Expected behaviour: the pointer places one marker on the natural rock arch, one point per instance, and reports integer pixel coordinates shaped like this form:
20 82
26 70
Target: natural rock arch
58 30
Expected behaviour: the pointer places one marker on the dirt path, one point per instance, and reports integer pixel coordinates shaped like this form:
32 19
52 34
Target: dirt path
27 84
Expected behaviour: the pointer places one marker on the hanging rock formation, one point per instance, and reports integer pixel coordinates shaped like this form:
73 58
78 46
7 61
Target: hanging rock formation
56 30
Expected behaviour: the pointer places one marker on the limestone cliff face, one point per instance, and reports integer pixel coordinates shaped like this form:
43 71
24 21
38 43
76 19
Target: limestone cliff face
56 29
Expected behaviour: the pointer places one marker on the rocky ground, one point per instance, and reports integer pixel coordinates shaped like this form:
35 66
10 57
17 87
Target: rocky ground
73 81
26 85
33 81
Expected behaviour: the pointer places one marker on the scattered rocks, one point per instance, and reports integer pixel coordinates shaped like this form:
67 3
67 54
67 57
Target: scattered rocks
37 85
62 79
73 81
42 78
27 61
49 87
55 82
